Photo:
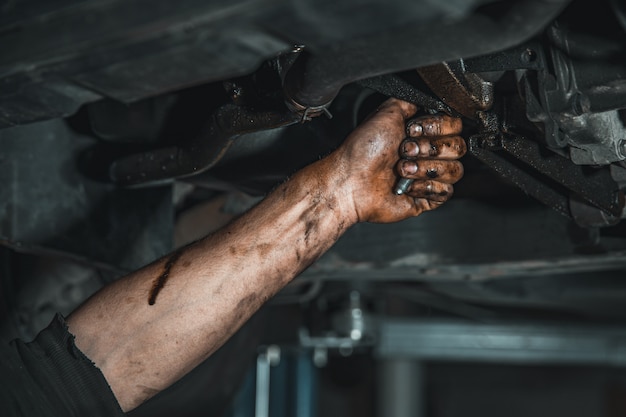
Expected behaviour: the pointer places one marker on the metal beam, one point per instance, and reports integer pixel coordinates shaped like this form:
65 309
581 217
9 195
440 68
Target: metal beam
511 343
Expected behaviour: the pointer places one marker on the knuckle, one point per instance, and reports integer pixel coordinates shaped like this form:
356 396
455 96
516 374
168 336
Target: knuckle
460 146
434 148
432 127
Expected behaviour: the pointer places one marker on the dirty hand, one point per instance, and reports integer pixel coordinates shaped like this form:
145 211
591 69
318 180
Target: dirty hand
392 143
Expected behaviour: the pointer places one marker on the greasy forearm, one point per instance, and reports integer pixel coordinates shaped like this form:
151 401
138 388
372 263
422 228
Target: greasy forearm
148 329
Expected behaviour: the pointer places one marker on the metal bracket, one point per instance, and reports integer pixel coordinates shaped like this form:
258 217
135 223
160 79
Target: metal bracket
558 179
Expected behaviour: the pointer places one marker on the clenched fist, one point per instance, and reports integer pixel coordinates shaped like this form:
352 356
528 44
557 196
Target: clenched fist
392 143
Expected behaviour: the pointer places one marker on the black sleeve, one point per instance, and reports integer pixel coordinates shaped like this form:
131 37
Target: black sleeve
51 377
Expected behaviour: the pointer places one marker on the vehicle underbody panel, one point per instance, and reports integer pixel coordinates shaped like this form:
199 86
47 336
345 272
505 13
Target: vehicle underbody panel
131 127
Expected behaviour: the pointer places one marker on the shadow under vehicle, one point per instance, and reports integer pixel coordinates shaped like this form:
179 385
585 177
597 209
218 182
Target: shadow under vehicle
131 127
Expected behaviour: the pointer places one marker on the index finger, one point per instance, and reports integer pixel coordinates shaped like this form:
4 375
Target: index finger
434 125
406 109
441 147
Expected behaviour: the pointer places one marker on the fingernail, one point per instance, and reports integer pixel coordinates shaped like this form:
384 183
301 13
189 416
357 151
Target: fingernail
409 167
414 129
410 148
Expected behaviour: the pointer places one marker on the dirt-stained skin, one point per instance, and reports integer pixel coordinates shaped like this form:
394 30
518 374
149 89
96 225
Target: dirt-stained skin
430 152
159 282
222 279
433 125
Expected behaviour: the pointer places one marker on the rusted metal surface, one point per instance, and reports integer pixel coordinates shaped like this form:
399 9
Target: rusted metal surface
552 178
465 92
594 185
547 194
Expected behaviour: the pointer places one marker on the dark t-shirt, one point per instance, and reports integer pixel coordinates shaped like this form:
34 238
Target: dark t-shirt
51 377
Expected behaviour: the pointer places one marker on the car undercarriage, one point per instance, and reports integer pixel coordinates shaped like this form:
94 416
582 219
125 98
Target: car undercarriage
130 128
